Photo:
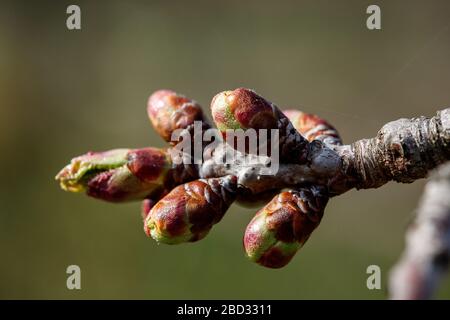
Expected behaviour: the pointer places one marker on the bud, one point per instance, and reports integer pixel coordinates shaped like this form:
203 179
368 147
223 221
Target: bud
284 225
75 176
148 164
146 206
117 175
244 109
189 211
313 127
169 111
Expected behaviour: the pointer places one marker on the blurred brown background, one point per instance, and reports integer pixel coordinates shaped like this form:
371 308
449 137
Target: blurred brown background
66 92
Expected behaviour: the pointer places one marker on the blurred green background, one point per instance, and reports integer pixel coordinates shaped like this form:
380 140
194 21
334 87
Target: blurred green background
66 92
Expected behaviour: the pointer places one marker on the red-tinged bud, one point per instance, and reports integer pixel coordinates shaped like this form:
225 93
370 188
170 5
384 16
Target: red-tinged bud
245 109
242 109
169 111
189 211
75 176
119 185
148 164
117 175
313 127
284 225
146 206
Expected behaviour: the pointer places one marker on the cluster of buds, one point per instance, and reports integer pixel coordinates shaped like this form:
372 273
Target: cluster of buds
182 201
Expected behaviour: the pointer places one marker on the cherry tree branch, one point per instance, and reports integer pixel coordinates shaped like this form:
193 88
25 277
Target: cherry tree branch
309 164
425 259
404 151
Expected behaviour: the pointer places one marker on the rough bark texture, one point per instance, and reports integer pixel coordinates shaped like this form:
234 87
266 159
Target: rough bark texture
426 256
404 151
